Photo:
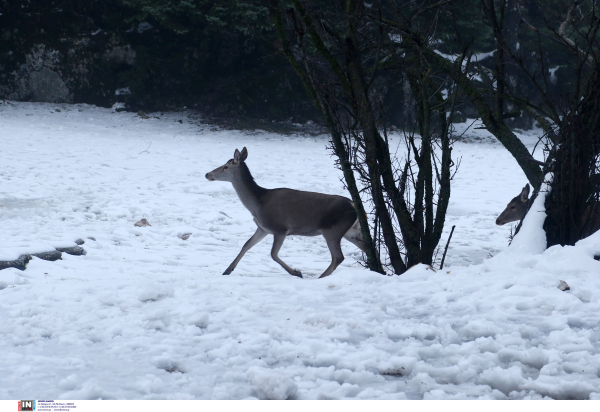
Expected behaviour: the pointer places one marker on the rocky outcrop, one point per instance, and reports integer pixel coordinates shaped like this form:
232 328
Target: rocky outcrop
38 78
20 263
51 255
92 52
69 75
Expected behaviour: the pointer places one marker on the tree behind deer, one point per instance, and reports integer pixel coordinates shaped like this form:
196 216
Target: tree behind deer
335 49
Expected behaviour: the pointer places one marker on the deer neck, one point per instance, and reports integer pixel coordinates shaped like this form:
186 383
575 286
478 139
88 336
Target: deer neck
248 190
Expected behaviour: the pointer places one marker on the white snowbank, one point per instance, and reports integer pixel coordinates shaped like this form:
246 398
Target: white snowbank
147 315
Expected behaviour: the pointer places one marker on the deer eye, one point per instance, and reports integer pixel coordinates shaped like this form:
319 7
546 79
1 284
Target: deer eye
226 167
512 207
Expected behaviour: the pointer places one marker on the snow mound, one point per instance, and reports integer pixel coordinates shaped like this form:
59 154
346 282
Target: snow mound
271 384
146 314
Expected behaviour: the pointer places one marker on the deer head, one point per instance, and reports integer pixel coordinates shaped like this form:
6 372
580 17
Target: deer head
230 171
516 208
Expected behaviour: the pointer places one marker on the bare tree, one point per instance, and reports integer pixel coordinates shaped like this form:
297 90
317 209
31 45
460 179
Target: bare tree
344 51
342 55
569 115
566 34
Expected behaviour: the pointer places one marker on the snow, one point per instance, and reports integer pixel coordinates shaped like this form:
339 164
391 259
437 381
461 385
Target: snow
144 26
123 90
477 57
147 315
553 78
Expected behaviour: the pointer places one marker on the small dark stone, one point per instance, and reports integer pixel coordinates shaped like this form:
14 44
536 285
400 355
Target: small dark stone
597 257
92 238
20 263
80 242
563 286
51 256
75 250
142 223
394 372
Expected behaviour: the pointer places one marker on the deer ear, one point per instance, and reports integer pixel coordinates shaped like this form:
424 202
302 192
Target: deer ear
525 193
237 156
244 154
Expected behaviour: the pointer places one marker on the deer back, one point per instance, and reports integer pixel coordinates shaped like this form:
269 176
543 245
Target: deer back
303 213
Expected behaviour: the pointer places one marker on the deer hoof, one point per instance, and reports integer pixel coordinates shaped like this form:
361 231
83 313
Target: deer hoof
227 272
297 273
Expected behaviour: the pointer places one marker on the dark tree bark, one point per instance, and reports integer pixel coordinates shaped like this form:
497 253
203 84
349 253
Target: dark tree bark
320 101
572 206
338 54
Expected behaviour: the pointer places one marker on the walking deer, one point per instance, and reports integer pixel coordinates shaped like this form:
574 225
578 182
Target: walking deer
518 206
282 212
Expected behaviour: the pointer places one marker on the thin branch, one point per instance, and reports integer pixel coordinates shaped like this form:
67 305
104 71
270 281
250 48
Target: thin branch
446 248
146 151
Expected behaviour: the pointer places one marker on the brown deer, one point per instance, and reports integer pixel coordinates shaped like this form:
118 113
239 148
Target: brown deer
518 206
283 212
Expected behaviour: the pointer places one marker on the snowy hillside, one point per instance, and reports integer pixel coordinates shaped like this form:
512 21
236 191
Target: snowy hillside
147 315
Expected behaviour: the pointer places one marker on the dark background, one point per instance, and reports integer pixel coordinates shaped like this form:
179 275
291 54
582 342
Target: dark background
218 57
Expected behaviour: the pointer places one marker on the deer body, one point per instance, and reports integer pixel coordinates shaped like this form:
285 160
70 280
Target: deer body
283 212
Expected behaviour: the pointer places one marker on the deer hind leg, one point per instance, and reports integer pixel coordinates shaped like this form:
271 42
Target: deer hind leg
256 237
277 242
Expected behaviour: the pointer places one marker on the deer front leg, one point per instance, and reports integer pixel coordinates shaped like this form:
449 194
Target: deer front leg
256 237
277 242
333 243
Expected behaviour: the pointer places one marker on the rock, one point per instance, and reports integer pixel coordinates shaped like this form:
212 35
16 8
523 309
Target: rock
23 260
74 250
141 223
39 80
92 238
46 85
20 263
119 106
185 236
121 54
51 256
80 242
563 286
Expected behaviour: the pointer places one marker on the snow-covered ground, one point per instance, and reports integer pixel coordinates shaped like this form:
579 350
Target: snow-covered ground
147 315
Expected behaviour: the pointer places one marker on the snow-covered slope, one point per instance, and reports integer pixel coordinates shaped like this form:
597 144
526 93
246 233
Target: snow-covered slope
147 315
